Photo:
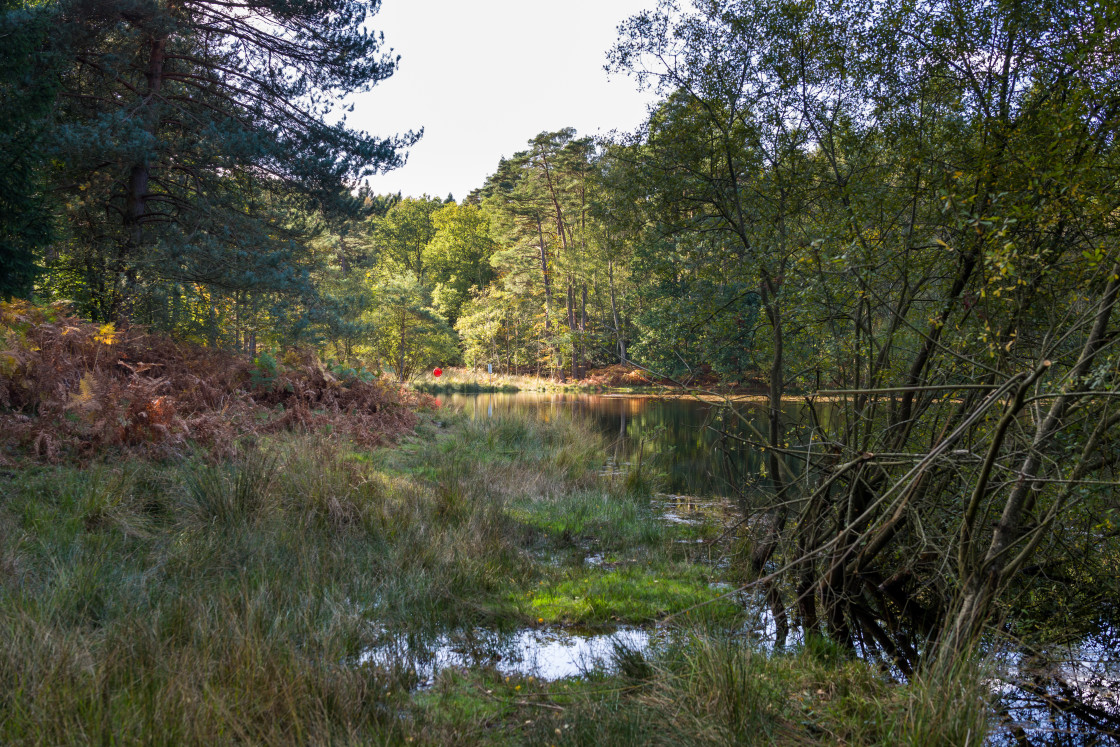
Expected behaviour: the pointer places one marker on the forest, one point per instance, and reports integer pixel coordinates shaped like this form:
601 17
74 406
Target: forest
899 218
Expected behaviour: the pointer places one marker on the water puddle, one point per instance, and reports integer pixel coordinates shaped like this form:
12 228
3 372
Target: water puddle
545 653
691 510
1067 695
594 559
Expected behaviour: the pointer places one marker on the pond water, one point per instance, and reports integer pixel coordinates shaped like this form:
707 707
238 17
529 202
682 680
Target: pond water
694 444
1064 696
545 653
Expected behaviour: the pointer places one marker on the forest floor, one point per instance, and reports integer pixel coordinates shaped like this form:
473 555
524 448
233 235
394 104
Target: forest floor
291 580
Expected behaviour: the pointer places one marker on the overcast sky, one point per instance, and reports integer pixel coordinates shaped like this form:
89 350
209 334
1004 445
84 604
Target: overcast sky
484 77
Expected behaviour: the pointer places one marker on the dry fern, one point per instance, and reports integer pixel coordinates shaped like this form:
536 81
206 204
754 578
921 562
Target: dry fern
70 387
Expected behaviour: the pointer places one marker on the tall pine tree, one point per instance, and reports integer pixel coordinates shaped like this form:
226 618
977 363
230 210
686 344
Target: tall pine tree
27 90
194 136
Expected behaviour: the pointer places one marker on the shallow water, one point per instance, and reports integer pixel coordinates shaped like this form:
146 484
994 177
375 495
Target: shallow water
1062 697
679 437
544 653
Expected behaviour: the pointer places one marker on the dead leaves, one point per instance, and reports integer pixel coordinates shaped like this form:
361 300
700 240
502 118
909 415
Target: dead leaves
72 388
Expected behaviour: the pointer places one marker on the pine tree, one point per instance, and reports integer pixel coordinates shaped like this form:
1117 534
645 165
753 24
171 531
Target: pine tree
197 135
27 91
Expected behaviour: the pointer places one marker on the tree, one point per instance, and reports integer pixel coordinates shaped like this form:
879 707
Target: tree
459 256
541 203
720 156
400 238
195 136
919 192
27 92
408 335
498 326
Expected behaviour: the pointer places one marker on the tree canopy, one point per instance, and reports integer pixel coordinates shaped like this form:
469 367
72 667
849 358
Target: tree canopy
191 141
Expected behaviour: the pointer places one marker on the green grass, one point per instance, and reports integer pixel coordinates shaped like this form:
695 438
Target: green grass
191 601
708 689
711 689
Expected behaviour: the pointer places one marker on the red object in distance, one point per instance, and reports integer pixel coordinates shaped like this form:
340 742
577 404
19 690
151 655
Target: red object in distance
438 372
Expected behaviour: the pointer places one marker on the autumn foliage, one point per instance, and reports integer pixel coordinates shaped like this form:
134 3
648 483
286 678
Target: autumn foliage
70 388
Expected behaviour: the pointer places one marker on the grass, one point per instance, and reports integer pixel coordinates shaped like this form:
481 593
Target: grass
709 689
192 601
468 380
627 595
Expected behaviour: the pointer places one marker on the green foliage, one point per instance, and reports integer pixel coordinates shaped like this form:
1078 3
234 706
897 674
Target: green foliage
345 372
689 325
265 370
540 203
28 86
459 257
190 146
408 334
400 238
920 197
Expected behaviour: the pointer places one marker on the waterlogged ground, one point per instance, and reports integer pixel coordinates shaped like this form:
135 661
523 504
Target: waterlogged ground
1062 695
610 566
482 583
612 593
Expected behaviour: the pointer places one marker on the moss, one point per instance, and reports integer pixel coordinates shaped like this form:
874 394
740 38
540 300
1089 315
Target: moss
631 595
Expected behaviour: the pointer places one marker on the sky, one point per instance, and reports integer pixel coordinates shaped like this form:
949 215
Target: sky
484 77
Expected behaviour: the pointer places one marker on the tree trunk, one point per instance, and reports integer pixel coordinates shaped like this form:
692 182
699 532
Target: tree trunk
764 549
136 194
343 260
987 576
136 200
583 332
614 313
401 349
572 328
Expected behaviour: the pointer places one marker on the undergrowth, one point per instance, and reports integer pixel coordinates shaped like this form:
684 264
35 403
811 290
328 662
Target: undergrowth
71 389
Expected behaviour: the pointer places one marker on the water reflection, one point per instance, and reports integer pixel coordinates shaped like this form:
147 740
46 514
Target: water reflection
548 654
700 447
1059 697
1062 695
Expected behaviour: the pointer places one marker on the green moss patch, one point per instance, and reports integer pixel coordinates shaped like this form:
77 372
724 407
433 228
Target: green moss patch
631 594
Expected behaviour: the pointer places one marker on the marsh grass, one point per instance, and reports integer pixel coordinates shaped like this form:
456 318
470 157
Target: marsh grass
706 688
467 380
709 688
232 492
231 601
187 602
